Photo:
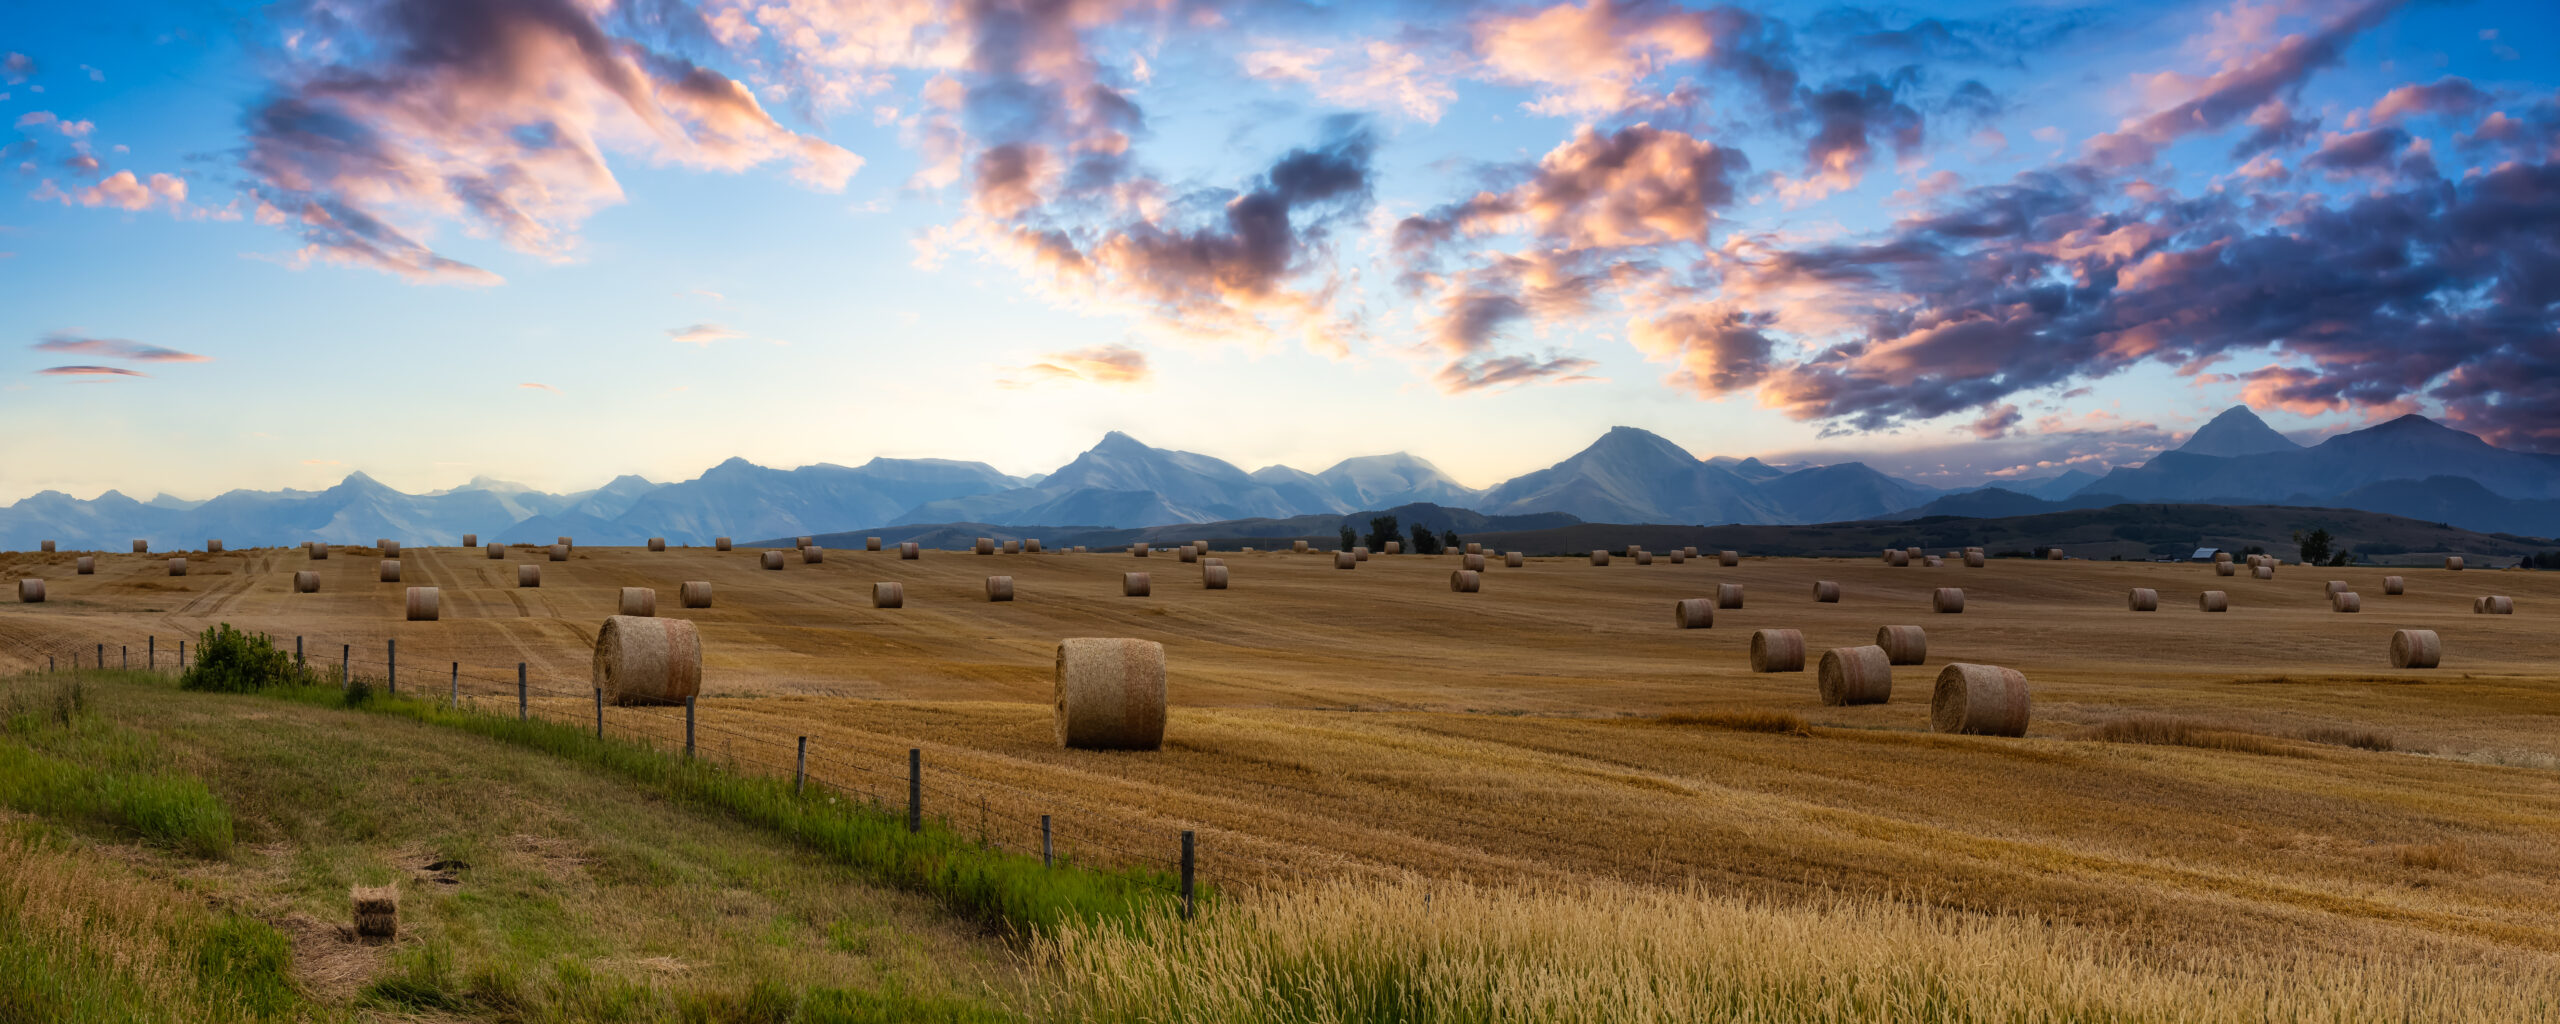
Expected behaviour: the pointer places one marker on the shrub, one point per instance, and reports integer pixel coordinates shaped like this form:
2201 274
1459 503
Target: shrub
230 661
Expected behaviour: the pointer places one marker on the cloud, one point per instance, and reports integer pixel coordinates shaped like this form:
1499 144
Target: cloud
1380 75
529 385
1505 371
90 371
121 190
395 115
1716 348
1115 365
116 348
2240 89
16 68
1996 422
2449 96
1595 57
702 334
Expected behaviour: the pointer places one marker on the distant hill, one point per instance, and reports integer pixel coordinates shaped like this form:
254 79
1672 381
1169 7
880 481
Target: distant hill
2237 431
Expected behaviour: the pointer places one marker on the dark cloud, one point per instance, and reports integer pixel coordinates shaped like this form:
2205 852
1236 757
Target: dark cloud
2358 151
1500 371
90 371
2239 91
116 348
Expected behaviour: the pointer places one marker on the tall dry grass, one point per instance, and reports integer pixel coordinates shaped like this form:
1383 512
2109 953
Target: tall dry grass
1417 952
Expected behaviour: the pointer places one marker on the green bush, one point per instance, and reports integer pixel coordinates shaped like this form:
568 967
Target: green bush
230 661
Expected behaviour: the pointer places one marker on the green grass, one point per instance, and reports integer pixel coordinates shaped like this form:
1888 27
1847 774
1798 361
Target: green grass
63 762
1008 890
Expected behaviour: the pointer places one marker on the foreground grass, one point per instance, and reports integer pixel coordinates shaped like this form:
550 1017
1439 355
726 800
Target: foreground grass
86 939
70 765
1437 952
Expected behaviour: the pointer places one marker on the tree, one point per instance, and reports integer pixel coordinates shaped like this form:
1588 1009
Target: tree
2315 545
1381 530
1423 542
1451 542
1349 539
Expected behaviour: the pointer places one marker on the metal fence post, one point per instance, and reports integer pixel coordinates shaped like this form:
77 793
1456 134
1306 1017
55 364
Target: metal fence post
915 789
800 772
1048 856
599 712
1186 874
688 728
523 707
391 667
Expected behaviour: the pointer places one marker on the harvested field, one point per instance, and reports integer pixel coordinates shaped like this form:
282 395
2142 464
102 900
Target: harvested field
1556 730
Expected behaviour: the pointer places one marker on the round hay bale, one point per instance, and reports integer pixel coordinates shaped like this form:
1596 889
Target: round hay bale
694 593
1933 561
888 595
389 547
1826 592
1472 563
306 582
1777 650
1185 553
2263 571
30 591
1031 546
1854 675
1728 559
2345 601
720 544
1979 700
1678 559
1693 613
1728 595
999 588
648 661
1138 550
1395 547
1110 694
2415 648
1903 645
1213 561
2224 569
1344 560
142 547
390 570
470 540
497 551
2394 586
1689 551
1888 555
528 576
770 560
1644 557
1897 559
2053 554
1632 549
2453 562
424 603
1135 584
1079 549
1947 601
86 565
2497 604
1913 553
2222 557
1362 553
213 547
2213 601
1213 577
984 546
319 552
1013 547
1475 549
2331 588
1511 560
910 551
1466 581
559 552
657 543
1599 558
870 543
802 542
47 547
177 567
1973 559
1298 547
640 601
2142 599
811 554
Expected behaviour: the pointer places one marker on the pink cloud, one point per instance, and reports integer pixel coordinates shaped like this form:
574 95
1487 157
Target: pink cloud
702 334
117 348
90 371
1114 365
121 190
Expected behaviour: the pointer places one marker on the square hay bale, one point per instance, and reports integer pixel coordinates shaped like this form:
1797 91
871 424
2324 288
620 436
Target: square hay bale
377 910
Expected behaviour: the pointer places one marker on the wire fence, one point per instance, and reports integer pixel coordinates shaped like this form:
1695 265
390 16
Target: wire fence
914 780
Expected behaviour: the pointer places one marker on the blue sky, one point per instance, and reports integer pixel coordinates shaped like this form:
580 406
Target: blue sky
556 241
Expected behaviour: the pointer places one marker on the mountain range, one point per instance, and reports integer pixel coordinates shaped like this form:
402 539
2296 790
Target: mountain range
2410 466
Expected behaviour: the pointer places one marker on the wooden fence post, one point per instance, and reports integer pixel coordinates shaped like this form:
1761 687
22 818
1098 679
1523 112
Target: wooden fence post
915 789
599 712
1047 856
1186 874
523 711
391 667
688 728
800 773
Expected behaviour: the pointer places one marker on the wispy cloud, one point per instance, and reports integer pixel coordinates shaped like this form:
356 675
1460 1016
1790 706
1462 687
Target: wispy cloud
1114 365
116 348
539 387
702 334
90 371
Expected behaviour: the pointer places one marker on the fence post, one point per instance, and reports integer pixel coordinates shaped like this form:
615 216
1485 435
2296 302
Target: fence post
523 709
297 652
599 712
688 728
800 773
915 789
182 656
102 657
153 652
346 659
391 667
1186 874
457 686
124 657
1047 855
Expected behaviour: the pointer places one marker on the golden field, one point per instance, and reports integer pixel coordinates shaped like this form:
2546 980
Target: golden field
1555 734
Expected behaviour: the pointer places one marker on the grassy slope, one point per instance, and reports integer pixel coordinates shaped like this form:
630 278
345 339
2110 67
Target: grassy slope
582 900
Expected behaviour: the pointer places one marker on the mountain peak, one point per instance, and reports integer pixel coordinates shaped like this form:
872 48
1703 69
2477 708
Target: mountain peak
1116 441
2237 431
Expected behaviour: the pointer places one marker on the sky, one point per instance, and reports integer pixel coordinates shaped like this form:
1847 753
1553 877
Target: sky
552 241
